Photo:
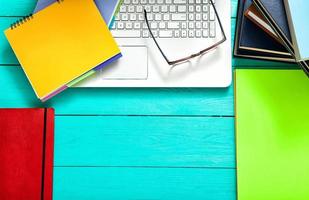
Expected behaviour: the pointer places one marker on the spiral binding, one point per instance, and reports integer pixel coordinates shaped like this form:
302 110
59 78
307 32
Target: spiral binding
21 21
25 19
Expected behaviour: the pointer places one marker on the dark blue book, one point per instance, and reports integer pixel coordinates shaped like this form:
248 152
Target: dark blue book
254 38
253 42
274 12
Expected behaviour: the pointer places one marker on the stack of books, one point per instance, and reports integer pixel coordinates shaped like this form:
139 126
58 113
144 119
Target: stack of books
63 42
273 30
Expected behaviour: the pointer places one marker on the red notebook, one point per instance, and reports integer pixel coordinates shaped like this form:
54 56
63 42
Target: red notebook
26 154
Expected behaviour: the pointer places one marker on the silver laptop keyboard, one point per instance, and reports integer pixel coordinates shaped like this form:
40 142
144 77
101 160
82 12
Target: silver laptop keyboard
167 18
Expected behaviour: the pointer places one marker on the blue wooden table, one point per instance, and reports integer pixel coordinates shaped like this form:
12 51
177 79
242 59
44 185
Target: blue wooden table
133 143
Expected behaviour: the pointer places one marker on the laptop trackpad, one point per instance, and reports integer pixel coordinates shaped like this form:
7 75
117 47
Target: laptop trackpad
131 66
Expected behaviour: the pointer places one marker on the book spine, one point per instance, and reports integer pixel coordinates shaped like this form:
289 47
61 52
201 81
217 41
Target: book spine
49 154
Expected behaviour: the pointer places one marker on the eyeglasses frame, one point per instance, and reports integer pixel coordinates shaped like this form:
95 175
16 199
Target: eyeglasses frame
193 55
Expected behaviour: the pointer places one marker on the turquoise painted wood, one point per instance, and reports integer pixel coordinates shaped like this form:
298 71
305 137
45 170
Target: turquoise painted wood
133 143
145 141
144 183
16 7
6 54
86 101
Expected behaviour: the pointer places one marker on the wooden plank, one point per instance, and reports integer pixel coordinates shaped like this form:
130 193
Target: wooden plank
234 4
16 7
122 101
144 183
6 53
145 141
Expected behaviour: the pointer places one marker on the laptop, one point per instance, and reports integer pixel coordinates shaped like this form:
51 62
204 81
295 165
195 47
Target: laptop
180 26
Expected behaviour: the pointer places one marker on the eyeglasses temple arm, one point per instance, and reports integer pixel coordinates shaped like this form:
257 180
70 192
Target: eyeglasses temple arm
219 21
154 39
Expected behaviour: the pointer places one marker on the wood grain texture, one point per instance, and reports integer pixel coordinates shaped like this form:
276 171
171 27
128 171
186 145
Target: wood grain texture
16 7
234 4
144 183
137 143
145 141
126 101
7 55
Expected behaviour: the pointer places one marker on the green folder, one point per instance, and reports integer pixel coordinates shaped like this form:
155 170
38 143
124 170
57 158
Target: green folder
272 134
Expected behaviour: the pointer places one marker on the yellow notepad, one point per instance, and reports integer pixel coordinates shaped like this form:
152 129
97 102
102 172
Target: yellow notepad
61 43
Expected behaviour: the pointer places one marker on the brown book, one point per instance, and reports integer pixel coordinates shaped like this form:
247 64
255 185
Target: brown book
257 18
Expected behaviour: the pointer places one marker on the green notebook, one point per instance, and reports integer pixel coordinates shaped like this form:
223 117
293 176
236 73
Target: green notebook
272 134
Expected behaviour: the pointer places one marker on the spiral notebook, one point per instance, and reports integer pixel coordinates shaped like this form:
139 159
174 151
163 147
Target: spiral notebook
107 8
60 44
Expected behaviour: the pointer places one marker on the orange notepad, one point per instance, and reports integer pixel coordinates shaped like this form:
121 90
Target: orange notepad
61 43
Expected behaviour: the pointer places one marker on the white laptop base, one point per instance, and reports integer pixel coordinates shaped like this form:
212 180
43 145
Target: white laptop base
142 65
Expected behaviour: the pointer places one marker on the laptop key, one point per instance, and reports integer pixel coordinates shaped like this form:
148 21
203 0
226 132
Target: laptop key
126 33
166 34
182 17
179 17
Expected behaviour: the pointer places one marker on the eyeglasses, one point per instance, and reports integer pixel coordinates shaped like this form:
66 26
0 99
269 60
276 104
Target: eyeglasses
202 52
